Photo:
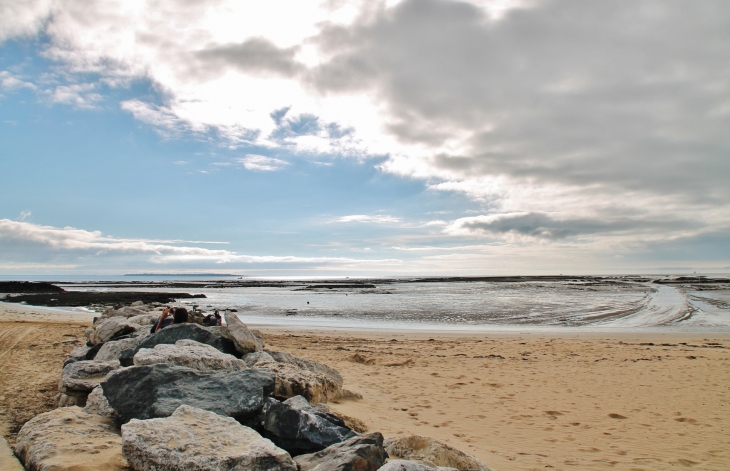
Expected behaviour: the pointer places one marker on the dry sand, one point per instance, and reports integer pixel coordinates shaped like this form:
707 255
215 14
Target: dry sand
517 402
529 402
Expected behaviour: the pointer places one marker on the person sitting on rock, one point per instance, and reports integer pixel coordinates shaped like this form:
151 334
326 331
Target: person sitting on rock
213 319
179 316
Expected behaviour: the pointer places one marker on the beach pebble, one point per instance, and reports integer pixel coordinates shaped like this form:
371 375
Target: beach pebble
192 438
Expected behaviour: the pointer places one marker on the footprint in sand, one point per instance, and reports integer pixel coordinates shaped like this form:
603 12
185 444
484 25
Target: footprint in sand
686 419
617 416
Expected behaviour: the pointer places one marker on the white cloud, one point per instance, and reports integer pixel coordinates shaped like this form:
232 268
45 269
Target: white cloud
47 241
523 106
9 81
261 163
365 218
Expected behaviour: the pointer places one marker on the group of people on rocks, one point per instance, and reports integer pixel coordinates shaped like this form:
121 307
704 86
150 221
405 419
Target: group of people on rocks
179 315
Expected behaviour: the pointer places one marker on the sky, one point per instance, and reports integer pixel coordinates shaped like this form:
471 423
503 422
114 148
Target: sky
364 138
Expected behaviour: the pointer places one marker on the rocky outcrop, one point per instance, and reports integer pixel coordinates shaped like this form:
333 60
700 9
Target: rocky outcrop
296 426
196 439
111 350
190 354
432 452
173 333
96 403
245 340
70 439
361 453
152 391
79 378
108 329
8 461
292 381
144 319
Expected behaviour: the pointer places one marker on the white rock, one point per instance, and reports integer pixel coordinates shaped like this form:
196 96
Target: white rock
111 350
70 439
190 354
432 452
97 404
194 439
292 381
243 338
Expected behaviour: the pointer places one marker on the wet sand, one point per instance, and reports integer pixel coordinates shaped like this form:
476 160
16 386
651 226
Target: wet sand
516 401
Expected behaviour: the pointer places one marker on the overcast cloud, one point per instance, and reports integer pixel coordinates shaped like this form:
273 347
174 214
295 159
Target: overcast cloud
562 119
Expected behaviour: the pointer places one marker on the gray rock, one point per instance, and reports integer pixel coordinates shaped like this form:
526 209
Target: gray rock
405 465
320 409
96 403
112 349
297 428
175 332
108 329
259 335
83 376
137 304
252 358
195 439
360 453
292 381
8 461
245 340
70 439
432 452
145 392
77 354
190 354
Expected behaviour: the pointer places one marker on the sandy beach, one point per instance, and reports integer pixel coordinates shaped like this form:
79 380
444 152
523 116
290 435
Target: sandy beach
516 401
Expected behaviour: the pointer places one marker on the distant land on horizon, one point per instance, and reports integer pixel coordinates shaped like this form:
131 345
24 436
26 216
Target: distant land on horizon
180 274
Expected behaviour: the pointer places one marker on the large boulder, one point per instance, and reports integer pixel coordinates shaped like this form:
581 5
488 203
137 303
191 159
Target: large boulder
70 439
293 381
245 340
108 329
175 332
190 354
432 452
295 426
111 350
196 439
144 319
152 391
332 374
360 453
79 378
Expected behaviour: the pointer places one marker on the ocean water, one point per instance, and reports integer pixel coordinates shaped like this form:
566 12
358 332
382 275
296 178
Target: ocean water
480 306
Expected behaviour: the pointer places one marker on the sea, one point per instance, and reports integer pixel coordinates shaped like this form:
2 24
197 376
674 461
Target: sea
633 304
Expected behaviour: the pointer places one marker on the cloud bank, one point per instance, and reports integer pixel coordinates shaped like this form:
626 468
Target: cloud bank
561 118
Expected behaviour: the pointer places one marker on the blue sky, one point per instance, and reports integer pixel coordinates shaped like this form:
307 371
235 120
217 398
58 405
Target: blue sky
363 138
